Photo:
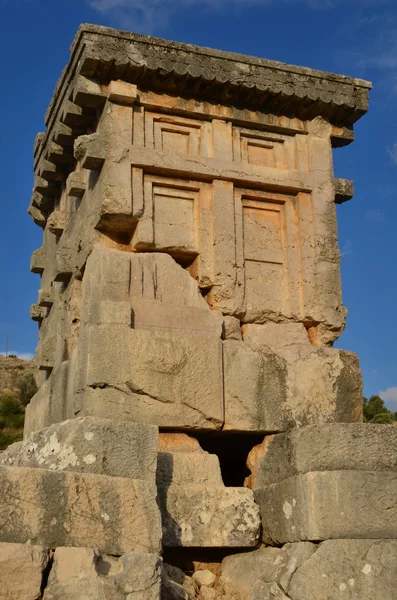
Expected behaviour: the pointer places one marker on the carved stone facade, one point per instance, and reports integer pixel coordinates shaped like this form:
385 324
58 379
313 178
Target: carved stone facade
190 284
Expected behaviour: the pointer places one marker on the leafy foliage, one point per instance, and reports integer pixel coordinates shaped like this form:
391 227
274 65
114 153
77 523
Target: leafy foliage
375 411
12 416
27 387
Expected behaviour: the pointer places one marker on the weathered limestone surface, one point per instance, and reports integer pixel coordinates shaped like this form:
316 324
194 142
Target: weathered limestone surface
334 570
334 447
275 379
113 514
210 517
197 509
264 573
190 281
186 219
21 571
84 573
300 478
325 505
167 378
90 445
351 569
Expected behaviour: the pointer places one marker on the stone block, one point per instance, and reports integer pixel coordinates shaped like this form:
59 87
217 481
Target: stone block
150 290
56 222
90 445
161 316
331 447
84 573
275 380
182 461
170 379
122 92
37 313
38 261
209 517
254 388
325 505
114 514
21 571
197 509
245 575
333 570
348 570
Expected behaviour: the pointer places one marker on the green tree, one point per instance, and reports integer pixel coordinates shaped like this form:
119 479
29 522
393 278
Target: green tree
375 411
372 407
27 388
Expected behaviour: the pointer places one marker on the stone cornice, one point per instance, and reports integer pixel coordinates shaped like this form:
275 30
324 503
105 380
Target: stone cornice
100 55
223 77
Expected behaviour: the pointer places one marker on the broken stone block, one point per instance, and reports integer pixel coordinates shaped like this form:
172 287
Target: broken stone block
246 576
331 447
113 514
159 290
325 505
90 445
275 380
21 571
84 573
181 461
167 378
348 570
197 509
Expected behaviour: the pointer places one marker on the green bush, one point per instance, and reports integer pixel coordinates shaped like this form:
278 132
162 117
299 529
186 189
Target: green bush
27 387
383 418
375 411
10 405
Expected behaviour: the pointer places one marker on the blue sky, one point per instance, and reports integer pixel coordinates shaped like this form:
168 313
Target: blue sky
353 37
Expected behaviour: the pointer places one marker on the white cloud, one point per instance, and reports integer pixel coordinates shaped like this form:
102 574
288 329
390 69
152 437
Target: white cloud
347 248
23 355
150 15
390 397
392 151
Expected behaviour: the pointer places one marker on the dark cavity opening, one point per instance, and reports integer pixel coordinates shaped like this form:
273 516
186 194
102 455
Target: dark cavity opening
232 449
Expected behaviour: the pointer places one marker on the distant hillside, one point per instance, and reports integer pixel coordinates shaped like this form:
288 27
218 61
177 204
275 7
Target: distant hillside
17 386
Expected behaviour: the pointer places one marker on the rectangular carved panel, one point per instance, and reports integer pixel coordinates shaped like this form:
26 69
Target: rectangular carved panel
273 253
176 218
177 134
269 149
